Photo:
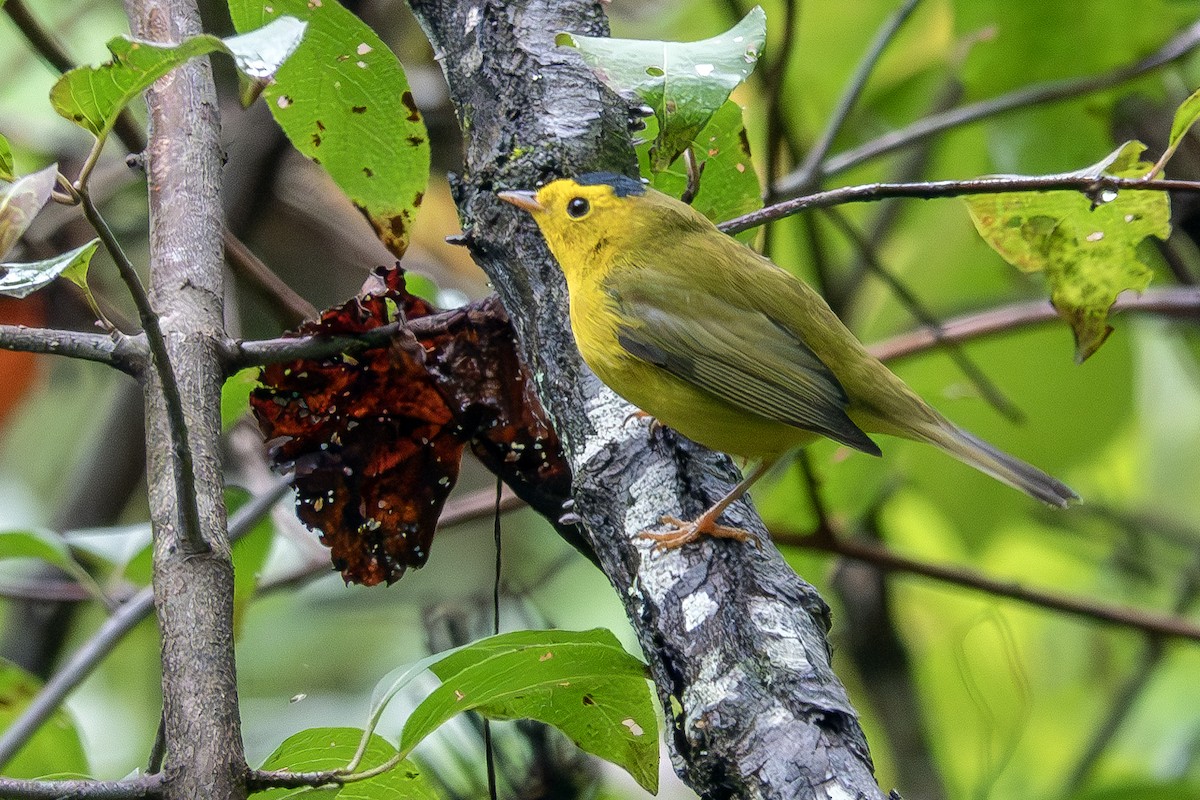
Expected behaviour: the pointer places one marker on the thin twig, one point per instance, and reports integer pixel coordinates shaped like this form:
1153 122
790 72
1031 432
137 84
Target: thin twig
986 387
258 780
773 80
1177 47
127 789
81 663
810 172
293 308
930 190
1145 621
1176 302
126 353
191 535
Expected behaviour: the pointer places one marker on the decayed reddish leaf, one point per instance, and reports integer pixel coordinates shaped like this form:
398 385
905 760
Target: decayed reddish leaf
376 438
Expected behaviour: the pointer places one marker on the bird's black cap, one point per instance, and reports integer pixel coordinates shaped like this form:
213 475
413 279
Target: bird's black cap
622 185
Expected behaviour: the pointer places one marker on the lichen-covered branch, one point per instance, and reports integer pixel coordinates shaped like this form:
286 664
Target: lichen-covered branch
735 639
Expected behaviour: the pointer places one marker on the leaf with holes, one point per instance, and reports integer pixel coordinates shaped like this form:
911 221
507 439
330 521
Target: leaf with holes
729 185
20 202
376 437
92 97
581 682
685 83
20 280
323 749
1090 251
344 101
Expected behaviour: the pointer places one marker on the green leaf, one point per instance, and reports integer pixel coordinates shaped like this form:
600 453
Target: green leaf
55 748
583 683
20 201
50 547
1185 117
249 555
19 280
235 396
685 83
320 749
729 185
1090 254
6 159
343 100
40 544
92 97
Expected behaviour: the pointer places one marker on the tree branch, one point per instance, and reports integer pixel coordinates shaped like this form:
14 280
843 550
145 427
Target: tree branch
930 190
126 353
127 789
1178 47
811 171
193 592
1183 303
735 639
1145 621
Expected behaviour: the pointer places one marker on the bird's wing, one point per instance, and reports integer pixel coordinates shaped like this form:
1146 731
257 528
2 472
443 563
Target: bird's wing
739 355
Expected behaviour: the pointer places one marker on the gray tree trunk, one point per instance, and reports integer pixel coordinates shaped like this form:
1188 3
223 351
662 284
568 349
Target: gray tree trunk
735 639
193 593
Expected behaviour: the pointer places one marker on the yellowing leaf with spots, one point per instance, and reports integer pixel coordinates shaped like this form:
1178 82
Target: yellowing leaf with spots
1090 249
344 101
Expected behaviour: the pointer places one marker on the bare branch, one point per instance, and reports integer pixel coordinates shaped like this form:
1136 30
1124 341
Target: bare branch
1145 621
1178 47
930 190
126 353
127 789
811 171
1183 303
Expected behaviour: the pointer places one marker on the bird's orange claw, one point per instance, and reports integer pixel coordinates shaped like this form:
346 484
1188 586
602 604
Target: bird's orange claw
684 532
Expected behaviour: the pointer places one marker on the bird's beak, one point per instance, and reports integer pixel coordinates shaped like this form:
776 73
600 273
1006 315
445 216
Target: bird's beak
525 200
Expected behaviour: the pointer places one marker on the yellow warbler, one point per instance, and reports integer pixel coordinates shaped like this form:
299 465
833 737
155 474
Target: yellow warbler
725 347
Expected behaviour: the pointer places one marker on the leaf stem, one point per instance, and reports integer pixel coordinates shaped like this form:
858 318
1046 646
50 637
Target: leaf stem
191 536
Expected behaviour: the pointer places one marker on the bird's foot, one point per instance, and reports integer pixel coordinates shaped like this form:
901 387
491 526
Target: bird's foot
638 414
687 532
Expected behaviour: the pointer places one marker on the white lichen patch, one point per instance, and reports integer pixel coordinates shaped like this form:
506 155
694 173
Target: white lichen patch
716 684
697 608
782 643
835 791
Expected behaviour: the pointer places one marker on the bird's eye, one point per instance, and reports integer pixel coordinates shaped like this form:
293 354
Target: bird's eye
578 207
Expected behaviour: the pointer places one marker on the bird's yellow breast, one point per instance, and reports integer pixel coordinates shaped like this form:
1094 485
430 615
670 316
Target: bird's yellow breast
699 415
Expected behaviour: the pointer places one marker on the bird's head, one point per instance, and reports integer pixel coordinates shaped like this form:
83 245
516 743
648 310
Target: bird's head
582 218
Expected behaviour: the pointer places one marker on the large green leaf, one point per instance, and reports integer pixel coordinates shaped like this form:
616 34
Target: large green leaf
20 201
21 279
343 100
1090 251
320 749
729 185
92 97
583 683
55 749
685 83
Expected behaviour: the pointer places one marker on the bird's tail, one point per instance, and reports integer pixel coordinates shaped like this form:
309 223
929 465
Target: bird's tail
972 450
